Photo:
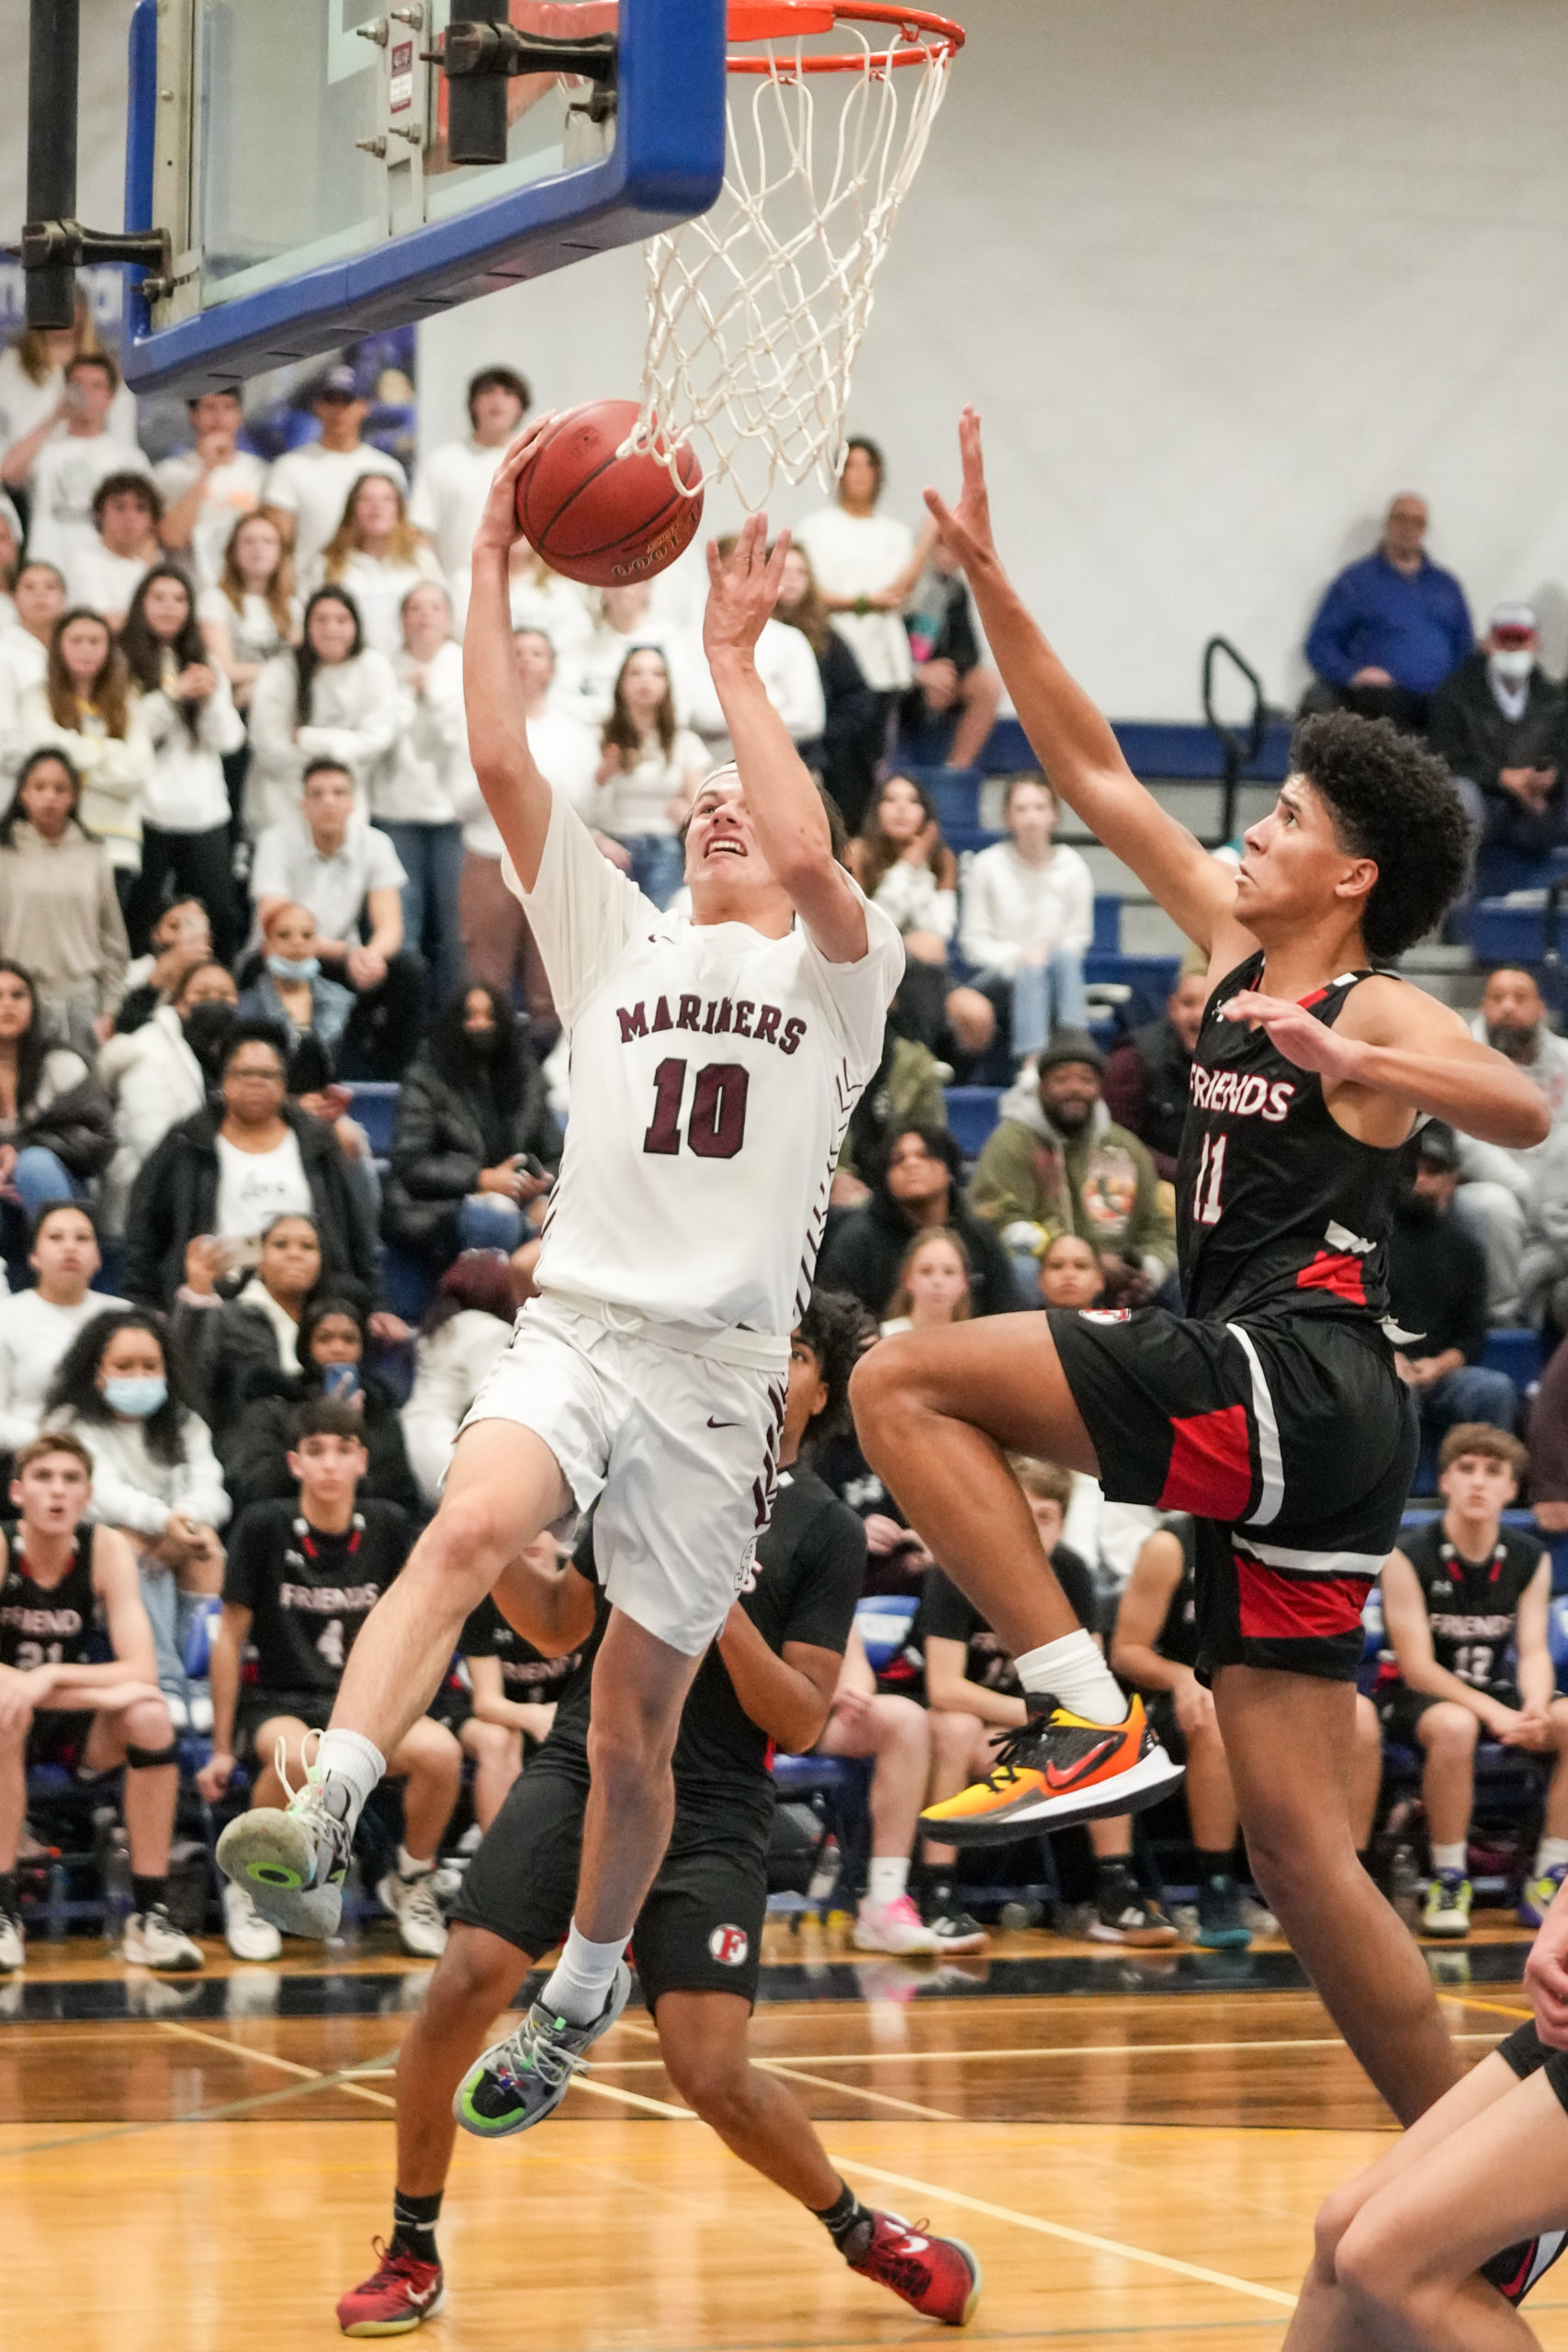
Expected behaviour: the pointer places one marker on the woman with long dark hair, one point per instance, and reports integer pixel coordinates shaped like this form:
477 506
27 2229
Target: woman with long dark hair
332 698
332 1345
899 859
649 772
59 908
186 850
56 1122
87 708
474 1138
915 1188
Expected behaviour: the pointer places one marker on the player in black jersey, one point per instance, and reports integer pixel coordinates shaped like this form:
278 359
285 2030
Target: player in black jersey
1273 1409
63 1587
500 1698
1462 1596
771 1675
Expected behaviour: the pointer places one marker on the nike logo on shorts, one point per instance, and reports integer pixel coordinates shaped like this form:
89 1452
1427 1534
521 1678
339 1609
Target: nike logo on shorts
722 1425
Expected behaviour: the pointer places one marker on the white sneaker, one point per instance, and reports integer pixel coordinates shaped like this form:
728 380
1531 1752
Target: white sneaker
412 1902
13 1943
892 1926
152 1941
247 1934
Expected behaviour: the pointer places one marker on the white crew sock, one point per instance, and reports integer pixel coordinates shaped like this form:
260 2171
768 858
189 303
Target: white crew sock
409 1868
1449 1857
887 1879
1552 1854
1075 1674
579 1987
348 1758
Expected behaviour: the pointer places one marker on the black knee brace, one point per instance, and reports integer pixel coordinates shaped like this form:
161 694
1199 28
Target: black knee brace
150 1760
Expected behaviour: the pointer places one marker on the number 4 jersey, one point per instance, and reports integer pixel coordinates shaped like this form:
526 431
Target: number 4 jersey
712 1075
309 1592
1278 1209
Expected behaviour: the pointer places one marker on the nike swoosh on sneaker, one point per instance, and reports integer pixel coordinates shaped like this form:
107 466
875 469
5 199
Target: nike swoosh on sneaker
419 2296
1056 1779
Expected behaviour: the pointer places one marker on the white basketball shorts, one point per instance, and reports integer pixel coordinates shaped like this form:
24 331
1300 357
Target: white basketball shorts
678 1446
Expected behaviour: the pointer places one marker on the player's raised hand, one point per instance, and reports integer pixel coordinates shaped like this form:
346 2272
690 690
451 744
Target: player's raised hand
1310 1044
500 530
966 528
743 588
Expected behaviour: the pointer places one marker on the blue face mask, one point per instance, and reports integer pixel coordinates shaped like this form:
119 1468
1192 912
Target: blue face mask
137 1397
294 968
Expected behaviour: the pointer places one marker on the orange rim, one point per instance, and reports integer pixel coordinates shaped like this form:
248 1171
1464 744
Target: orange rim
927 37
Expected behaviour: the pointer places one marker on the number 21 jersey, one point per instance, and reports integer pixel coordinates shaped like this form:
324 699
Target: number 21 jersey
713 1074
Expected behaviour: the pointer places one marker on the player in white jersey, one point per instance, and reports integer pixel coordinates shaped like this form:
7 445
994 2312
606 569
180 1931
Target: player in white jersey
715 1064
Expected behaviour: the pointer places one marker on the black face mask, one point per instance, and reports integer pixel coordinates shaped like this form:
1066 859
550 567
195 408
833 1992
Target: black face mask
206 1028
481 1042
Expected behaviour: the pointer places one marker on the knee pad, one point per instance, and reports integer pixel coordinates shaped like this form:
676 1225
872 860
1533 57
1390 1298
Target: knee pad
149 1759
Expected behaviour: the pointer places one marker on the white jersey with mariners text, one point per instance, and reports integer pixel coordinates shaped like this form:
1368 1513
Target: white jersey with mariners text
713 1074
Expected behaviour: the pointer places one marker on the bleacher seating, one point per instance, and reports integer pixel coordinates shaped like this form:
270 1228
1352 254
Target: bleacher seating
1518 1353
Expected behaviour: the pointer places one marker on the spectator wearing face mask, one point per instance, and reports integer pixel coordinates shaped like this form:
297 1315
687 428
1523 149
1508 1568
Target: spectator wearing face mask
473 1136
291 988
1499 721
160 1073
1500 1189
1150 1074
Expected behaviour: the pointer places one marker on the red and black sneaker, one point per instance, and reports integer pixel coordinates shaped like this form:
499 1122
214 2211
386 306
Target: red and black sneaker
398 2297
937 2276
1519 2268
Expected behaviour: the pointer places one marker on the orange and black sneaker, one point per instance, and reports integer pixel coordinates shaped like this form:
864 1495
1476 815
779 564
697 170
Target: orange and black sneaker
1058 1767
399 2295
937 2276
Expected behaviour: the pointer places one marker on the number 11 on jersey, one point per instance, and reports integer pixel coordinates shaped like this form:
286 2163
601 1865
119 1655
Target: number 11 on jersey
1206 1204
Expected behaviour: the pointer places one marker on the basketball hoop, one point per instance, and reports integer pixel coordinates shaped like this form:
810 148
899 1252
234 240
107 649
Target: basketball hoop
756 311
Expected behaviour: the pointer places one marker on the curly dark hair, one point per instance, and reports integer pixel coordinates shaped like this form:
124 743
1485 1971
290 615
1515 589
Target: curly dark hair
1395 802
74 1389
833 1327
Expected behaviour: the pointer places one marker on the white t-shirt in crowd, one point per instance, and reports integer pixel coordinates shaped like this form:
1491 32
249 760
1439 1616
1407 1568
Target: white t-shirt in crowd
254 635
791 680
23 663
333 885
1009 905
859 555
712 1075
62 483
559 610
230 492
253 1187
312 484
33 1338
450 487
377 585
636 801
24 404
567 754
585 680
95 575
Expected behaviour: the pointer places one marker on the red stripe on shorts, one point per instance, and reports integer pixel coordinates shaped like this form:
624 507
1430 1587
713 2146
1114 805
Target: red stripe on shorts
1337 1272
1211 1464
1284 1608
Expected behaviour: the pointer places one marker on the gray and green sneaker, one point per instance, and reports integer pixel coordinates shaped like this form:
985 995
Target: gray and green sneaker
1446 1911
519 2081
292 1863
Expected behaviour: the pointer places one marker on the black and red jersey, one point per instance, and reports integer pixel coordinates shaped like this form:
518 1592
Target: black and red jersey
48 1624
1279 1211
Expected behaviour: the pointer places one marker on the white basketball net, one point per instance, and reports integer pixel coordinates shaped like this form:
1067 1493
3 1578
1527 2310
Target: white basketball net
755 310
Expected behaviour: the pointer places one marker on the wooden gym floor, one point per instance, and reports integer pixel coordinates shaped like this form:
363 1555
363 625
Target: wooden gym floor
1133 2144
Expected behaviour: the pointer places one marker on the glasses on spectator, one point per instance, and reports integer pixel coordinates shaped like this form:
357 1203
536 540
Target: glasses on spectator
254 1074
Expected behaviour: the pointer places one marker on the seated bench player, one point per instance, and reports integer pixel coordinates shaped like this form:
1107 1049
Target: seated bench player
301 1578
1155 1651
769 1677
1459 1595
976 1699
60 1580
503 1705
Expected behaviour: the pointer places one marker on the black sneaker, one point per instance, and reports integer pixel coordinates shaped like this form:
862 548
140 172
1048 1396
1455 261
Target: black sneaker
1222 1922
1518 2268
1125 1915
953 1927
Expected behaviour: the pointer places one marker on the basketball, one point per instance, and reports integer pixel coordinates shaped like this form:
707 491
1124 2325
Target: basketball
603 520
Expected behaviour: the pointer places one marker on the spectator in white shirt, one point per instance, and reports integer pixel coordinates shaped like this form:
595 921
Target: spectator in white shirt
87 708
453 481
33 407
588 686
39 596
186 846
59 910
333 698
559 609
67 471
105 574
497 945
37 1326
1028 920
899 859
417 792
463 1330
348 873
377 556
791 680
10 554
650 774
207 490
252 612
307 488
865 564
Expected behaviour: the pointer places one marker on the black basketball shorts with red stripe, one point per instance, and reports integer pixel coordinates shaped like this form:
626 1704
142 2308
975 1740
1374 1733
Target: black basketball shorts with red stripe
1293 1444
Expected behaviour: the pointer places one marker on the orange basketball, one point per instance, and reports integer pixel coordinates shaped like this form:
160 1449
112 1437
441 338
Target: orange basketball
605 520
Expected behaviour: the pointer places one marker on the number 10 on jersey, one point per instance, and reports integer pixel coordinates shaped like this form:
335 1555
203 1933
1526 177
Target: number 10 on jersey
1206 1204
716 1128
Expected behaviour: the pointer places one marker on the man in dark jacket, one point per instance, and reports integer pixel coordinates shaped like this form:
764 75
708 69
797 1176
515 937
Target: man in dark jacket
1149 1075
1498 721
915 1190
1437 1280
259 1150
475 1140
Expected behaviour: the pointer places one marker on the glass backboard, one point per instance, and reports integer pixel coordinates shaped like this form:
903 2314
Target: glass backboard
298 153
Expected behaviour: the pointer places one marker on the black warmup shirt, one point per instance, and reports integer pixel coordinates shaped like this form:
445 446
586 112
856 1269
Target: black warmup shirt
944 1612
47 1624
309 1593
1472 1606
1177 1637
1437 1280
527 1678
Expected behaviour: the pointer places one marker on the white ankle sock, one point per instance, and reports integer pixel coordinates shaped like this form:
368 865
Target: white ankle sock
1073 1672
408 1868
348 1758
584 1974
1449 1857
1552 1854
887 1879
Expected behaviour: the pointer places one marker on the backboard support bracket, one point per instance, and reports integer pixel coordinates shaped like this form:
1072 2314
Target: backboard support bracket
54 246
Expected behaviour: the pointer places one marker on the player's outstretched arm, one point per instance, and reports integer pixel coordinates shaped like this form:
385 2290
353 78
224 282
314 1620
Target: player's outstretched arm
784 804
516 794
1072 740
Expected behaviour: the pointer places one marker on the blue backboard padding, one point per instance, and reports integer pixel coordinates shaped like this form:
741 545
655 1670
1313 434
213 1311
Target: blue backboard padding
667 166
